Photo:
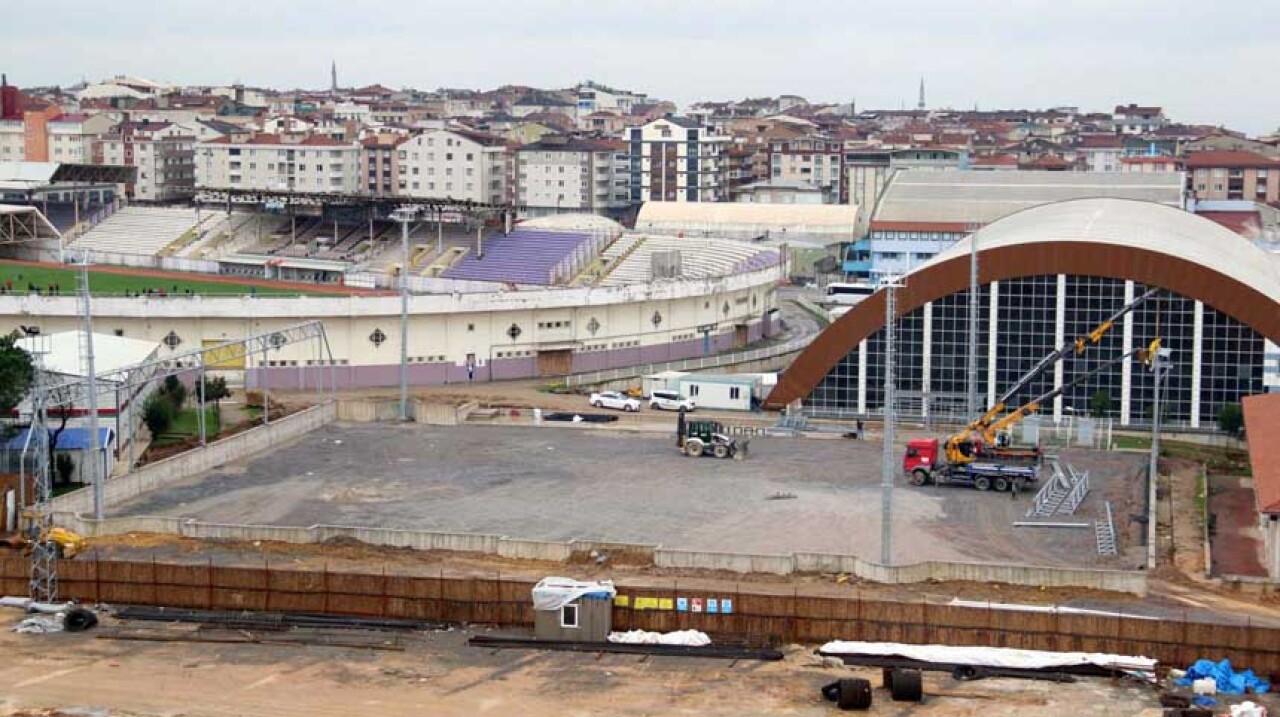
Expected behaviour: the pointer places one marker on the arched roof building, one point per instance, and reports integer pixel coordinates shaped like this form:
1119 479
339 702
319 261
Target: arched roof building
1050 273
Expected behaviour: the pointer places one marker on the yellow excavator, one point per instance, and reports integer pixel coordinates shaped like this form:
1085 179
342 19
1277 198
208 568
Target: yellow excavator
70 544
988 436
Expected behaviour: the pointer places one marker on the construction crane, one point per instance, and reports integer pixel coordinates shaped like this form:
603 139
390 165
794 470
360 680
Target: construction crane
987 435
924 463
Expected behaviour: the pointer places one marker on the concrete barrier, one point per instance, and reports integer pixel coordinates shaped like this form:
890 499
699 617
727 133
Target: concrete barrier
534 550
197 460
367 411
442 414
731 562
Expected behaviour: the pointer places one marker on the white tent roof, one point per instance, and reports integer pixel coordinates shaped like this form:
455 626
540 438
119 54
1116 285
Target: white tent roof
1144 225
110 353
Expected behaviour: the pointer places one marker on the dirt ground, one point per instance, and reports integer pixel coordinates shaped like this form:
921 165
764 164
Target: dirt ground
554 483
437 674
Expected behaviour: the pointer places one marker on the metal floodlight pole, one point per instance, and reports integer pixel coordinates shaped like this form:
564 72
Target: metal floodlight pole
95 476
1160 370
404 215
972 368
890 286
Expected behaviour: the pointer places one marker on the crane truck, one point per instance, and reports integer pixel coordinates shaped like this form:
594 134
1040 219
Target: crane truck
982 455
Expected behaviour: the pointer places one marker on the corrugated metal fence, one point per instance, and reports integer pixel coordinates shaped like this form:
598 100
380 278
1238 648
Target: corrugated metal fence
754 614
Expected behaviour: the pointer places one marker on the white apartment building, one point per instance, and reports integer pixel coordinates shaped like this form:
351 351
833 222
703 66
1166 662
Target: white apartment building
560 174
264 161
673 159
163 152
71 137
594 98
455 164
13 143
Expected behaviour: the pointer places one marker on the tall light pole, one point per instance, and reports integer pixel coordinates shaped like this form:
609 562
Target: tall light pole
404 215
890 286
1160 368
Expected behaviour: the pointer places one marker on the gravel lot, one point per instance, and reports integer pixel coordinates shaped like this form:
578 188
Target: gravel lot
558 483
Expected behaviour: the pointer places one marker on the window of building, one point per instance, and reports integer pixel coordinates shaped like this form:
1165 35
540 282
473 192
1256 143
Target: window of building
470 157
735 392
448 157
693 390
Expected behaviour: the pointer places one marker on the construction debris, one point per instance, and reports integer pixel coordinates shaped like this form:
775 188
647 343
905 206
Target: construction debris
688 638
723 653
1220 677
272 620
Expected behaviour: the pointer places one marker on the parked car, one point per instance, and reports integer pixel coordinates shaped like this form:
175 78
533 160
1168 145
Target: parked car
613 399
671 401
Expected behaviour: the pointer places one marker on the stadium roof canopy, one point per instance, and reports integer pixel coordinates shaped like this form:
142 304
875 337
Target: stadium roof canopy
1145 242
20 223
983 197
30 176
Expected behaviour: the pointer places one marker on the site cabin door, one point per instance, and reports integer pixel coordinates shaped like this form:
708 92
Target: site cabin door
555 363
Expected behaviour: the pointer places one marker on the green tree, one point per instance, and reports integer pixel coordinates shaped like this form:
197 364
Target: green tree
158 413
66 467
16 372
1231 418
215 389
175 391
1100 404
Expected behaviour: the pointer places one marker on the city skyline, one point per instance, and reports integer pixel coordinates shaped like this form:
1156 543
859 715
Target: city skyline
1091 55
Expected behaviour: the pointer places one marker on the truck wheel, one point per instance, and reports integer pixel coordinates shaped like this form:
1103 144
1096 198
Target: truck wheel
1001 485
982 483
720 450
919 476
693 447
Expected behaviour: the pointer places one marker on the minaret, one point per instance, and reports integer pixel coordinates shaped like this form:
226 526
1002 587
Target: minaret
920 105
333 79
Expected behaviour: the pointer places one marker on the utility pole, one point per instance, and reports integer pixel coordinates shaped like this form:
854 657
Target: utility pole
1160 370
404 215
95 467
890 285
971 369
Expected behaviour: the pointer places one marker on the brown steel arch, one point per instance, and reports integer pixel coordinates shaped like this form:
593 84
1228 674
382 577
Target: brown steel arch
1225 294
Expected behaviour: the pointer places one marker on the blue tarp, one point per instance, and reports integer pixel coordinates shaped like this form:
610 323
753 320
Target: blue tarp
72 439
1229 681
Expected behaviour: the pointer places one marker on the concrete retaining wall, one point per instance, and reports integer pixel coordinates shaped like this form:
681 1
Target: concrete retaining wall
732 562
367 411
197 460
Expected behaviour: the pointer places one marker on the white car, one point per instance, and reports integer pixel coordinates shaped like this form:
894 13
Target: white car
671 401
613 399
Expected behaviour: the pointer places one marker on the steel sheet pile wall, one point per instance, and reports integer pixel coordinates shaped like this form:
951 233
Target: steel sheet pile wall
759 614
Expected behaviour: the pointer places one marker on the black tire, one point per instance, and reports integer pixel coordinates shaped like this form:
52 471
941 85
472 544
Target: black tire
1001 484
629 408
78 620
966 673
595 404
720 450
693 447
855 694
906 686
919 476
831 691
982 483
886 678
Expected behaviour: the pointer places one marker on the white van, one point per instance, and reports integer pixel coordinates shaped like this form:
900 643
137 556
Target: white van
670 401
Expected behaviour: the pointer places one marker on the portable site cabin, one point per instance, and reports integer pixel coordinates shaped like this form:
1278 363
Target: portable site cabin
664 381
567 610
732 392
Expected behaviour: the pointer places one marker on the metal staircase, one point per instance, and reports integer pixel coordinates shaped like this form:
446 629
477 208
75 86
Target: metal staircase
1063 493
1105 531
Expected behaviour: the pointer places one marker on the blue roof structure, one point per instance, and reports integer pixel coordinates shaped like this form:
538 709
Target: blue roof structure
72 439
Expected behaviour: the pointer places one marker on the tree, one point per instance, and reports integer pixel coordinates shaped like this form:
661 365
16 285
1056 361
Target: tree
158 413
215 389
16 373
1100 404
175 391
66 467
1231 418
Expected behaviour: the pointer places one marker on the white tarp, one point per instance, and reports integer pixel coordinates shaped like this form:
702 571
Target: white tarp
688 638
989 656
555 593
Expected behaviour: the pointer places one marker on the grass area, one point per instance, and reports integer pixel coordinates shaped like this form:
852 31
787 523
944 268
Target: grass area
1217 459
106 283
1132 442
186 426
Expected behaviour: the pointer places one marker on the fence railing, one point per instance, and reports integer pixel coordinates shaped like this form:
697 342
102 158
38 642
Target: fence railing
690 364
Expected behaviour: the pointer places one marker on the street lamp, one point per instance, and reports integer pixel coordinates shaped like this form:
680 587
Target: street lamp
404 215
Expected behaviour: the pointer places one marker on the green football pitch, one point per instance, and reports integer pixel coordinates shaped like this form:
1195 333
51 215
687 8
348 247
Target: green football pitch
19 278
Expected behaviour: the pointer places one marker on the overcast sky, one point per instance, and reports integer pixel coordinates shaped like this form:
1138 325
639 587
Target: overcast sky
1205 62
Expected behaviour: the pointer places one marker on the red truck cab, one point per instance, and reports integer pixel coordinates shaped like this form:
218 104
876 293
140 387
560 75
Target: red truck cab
921 453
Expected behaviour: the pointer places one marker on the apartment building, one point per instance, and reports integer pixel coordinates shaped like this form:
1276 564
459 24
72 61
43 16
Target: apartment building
380 158
1136 119
265 161
455 164
13 140
570 174
1248 176
1100 152
163 152
1150 165
814 160
673 159
64 138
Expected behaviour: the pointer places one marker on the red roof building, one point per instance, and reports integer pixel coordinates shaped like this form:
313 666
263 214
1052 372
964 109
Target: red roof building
1262 427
